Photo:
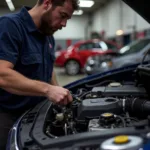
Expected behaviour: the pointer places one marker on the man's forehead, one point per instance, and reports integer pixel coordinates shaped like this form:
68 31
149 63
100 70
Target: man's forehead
68 8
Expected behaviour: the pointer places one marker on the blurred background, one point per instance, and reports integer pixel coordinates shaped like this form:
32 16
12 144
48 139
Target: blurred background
102 35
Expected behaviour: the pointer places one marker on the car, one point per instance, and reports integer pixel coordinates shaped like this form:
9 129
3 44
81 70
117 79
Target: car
104 106
110 111
74 58
128 55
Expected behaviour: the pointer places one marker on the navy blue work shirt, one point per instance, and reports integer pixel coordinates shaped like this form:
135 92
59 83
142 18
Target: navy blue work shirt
31 52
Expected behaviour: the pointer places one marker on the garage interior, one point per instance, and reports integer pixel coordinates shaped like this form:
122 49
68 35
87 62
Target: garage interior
105 19
102 64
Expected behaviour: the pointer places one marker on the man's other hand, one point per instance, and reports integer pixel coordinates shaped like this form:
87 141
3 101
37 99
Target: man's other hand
59 95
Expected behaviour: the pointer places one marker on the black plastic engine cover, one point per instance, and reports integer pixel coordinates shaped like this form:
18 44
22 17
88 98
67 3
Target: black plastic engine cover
97 106
125 90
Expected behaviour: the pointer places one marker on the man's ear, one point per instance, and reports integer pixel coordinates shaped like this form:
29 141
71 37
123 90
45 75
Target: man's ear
47 4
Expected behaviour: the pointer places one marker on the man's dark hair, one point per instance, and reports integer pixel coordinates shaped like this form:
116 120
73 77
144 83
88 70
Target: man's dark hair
75 3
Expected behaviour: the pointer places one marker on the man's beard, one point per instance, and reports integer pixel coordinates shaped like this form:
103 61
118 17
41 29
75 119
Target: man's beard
45 26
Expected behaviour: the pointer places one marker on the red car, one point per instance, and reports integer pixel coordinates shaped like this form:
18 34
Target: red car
75 57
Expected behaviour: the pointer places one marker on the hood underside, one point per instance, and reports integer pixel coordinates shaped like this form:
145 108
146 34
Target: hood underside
141 7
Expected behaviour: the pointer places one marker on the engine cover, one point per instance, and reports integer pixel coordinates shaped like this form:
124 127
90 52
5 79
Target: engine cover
97 106
125 90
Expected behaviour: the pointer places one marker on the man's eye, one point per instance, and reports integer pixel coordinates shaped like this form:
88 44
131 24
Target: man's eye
63 16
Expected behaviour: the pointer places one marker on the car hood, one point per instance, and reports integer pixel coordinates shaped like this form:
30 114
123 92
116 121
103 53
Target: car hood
60 53
141 7
120 60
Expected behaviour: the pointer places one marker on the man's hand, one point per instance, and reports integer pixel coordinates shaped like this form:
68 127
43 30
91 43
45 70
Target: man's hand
59 95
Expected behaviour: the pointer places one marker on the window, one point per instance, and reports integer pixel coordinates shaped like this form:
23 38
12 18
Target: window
89 46
111 46
134 47
107 46
97 45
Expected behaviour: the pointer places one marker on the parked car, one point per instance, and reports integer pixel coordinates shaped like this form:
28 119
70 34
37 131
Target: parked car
74 58
128 55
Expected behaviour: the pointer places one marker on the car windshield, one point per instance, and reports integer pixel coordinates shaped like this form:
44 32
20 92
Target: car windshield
109 46
134 47
70 47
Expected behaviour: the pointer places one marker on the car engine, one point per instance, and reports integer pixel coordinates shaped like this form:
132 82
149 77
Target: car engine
114 105
110 113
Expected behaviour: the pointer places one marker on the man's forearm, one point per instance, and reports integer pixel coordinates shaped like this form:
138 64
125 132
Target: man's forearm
16 83
54 79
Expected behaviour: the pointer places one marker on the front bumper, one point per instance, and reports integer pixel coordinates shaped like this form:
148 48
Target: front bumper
88 69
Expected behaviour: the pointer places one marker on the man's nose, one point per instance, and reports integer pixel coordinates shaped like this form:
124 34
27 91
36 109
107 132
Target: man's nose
63 23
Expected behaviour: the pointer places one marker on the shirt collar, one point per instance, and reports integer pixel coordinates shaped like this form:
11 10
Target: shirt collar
27 19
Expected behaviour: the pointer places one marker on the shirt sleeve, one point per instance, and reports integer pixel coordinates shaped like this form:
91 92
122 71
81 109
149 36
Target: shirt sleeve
10 40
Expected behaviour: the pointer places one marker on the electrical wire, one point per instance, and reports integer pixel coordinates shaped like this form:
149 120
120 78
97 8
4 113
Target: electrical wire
65 128
134 119
49 134
123 121
83 95
80 91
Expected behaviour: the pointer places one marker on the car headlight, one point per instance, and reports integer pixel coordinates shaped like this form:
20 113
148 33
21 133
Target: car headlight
107 64
89 58
90 61
57 54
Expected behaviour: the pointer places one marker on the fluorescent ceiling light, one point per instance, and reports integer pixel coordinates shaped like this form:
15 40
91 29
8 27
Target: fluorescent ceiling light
86 3
10 5
79 12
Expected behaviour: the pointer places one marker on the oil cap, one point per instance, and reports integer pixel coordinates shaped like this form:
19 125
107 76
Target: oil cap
106 119
107 115
122 142
121 139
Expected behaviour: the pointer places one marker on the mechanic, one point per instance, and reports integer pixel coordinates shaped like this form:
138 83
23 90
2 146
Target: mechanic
27 57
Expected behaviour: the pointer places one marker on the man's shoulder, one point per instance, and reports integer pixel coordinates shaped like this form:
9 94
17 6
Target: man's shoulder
10 19
10 24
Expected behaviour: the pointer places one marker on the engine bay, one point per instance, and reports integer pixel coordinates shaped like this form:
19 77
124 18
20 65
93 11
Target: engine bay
101 109
110 106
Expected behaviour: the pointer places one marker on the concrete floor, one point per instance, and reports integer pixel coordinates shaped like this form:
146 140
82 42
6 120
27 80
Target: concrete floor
64 79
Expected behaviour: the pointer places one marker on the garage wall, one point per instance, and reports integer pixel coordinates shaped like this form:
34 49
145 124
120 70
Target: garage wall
117 15
75 29
107 18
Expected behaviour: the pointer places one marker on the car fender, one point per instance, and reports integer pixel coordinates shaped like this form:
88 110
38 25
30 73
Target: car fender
127 64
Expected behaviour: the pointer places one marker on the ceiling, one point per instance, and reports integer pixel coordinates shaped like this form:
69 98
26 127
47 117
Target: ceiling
20 3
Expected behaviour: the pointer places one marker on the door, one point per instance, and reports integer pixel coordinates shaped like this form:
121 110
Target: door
88 49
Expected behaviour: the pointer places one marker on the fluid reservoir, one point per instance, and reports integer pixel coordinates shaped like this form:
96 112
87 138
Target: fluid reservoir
122 142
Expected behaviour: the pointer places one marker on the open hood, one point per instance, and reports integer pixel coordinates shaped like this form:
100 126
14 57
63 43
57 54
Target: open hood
141 7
